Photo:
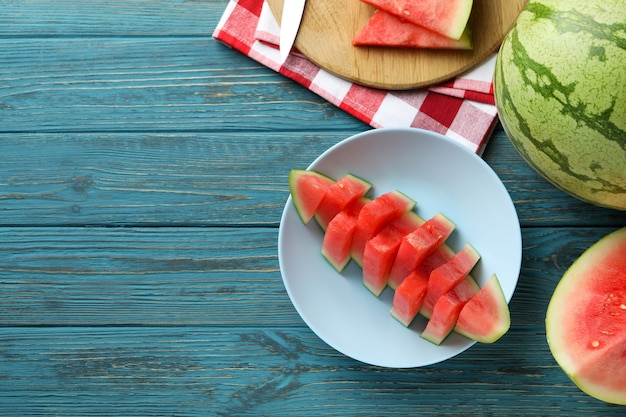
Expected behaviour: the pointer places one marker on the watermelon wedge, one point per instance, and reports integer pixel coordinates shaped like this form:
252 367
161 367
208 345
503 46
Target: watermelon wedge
380 251
337 242
408 298
446 17
447 309
485 318
419 244
448 275
376 215
341 193
384 29
586 320
410 295
307 189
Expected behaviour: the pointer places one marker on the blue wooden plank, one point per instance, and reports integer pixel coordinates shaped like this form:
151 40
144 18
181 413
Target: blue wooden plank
158 371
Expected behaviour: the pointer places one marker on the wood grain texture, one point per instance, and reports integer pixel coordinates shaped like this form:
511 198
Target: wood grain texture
329 26
143 173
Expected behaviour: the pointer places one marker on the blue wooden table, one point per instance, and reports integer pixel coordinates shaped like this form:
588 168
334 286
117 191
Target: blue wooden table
142 179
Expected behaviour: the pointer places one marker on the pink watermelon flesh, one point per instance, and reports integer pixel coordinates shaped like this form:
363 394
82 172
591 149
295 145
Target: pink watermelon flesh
447 309
380 251
485 318
337 243
446 17
307 189
408 297
376 215
419 244
448 275
344 191
384 29
586 320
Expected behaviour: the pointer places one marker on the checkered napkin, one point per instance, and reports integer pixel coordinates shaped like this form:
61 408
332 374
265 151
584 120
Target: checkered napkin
462 109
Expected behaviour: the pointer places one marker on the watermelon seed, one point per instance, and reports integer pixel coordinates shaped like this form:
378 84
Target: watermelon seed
595 344
622 306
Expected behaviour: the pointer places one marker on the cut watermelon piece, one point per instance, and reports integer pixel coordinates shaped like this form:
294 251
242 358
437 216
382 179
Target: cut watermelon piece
344 191
337 243
447 309
307 189
384 29
419 244
376 215
448 275
446 17
408 297
380 251
485 318
586 320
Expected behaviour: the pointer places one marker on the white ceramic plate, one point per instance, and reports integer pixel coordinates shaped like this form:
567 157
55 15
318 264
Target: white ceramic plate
440 175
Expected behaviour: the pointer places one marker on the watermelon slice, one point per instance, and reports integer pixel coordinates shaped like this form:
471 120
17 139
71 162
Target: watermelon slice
307 189
586 320
341 193
447 309
446 17
380 251
485 318
337 243
410 295
448 275
408 298
419 244
376 215
384 29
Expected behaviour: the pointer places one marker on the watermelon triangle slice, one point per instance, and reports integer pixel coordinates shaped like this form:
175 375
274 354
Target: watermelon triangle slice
384 29
307 189
446 17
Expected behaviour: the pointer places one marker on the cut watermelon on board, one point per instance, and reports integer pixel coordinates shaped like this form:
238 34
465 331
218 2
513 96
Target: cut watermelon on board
337 242
380 251
586 320
485 317
341 193
447 309
419 244
376 215
384 29
307 189
448 275
446 17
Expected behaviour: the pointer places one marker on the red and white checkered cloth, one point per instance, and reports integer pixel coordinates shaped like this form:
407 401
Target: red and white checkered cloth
462 109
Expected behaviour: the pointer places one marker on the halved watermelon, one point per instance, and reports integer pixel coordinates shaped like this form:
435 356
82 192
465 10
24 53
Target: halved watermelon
376 215
307 189
586 320
485 318
384 29
448 275
337 242
447 309
380 251
419 244
446 17
344 191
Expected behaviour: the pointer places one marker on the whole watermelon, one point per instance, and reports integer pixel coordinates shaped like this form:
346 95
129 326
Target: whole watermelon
560 89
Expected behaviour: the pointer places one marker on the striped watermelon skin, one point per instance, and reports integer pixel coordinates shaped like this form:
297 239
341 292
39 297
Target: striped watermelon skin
560 90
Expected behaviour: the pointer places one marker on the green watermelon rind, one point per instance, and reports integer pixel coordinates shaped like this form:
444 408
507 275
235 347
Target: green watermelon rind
559 70
578 281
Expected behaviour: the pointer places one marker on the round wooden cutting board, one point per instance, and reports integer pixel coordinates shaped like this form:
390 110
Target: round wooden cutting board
328 27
